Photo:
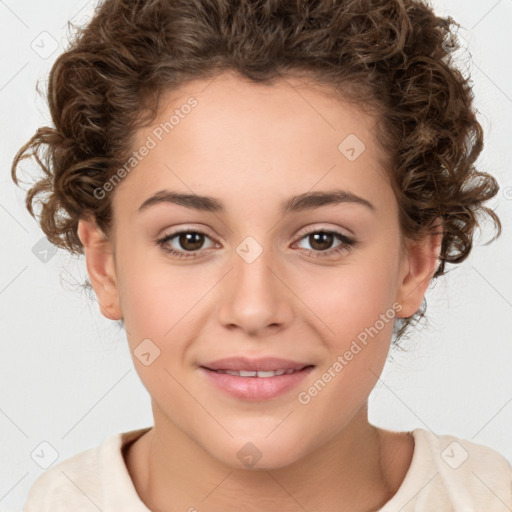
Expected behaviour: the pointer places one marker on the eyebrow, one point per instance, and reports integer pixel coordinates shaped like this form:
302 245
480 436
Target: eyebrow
301 202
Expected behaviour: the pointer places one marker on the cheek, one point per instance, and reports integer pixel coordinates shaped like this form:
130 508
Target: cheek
357 310
353 297
157 298
158 303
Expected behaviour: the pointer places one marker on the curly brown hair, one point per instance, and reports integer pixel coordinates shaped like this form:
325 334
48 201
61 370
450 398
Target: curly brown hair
392 56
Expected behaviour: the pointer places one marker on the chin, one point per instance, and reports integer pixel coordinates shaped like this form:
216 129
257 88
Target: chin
260 453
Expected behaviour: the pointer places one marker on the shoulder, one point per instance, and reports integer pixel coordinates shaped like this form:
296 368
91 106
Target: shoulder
458 453
467 472
61 486
84 481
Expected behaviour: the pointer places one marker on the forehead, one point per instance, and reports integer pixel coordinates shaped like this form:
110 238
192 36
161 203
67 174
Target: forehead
229 137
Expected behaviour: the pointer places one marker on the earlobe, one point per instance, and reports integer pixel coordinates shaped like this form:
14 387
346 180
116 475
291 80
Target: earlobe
419 266
100 267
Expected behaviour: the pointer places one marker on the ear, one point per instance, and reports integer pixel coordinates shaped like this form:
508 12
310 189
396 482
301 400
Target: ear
419 264
100 267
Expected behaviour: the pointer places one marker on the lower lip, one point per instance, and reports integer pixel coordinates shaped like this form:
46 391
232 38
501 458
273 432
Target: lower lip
256 388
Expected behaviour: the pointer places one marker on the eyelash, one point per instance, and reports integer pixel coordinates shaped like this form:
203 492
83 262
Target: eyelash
346 245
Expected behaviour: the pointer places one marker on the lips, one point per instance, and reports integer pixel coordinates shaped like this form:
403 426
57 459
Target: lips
255 379
259 373
244 364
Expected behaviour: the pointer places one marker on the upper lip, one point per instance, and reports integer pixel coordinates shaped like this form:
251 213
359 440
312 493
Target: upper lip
261 364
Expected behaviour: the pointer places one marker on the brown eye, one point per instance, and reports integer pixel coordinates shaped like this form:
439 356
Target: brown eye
321 241
191 241
184 244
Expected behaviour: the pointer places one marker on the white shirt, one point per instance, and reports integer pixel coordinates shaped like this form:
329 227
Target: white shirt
447 474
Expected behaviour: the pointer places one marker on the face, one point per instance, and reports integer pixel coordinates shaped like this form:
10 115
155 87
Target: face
237 276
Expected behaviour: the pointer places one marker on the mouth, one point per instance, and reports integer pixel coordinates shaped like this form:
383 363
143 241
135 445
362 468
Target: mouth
264 374
263 364
256 379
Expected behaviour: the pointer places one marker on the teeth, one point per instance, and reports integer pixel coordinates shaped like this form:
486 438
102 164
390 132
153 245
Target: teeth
267 374
261 374
244 373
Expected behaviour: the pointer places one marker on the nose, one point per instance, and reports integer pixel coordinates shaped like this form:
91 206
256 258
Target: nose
254 297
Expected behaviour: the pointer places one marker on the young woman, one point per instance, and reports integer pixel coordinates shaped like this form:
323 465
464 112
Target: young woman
263 192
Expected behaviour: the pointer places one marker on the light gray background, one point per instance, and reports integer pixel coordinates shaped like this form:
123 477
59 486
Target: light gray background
66 374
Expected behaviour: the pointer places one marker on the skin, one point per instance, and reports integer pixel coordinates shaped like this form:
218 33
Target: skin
249 146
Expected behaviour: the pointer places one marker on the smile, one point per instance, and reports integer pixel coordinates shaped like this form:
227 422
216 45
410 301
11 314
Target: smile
261 374
256 385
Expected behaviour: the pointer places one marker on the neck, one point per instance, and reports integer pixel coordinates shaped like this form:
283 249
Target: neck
172 472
